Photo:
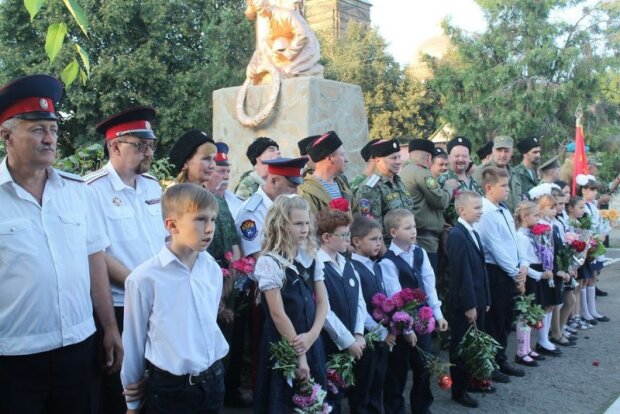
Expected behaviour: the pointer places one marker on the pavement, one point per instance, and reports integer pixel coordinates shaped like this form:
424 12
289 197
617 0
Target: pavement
584 380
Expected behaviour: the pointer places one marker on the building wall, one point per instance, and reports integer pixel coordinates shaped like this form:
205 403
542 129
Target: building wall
335 15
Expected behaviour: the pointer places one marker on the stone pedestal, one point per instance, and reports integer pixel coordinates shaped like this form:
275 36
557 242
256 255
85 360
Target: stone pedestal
306 106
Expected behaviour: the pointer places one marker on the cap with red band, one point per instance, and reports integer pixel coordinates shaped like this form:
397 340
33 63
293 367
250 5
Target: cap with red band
31 97
222 154
291 168
134 121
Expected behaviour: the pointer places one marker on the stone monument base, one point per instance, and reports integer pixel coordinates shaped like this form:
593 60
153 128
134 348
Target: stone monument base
306 106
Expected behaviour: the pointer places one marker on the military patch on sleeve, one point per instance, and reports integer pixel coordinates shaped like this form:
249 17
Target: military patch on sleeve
430 182
364 206
248 230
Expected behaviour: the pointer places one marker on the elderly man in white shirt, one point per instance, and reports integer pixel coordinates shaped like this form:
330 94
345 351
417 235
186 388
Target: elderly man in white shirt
52 270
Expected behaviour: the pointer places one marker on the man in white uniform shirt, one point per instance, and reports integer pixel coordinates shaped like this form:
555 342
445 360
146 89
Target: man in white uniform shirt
52 269
128 201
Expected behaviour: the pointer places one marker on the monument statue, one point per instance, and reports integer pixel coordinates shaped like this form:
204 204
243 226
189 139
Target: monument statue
286 47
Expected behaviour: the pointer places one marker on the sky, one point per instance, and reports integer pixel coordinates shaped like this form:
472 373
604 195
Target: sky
407 23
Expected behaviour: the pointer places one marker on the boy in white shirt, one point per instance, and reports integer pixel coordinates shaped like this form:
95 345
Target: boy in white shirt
171 304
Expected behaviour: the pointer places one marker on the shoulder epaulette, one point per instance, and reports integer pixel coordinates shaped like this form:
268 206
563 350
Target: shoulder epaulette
372 180
69 176
149 176
95 175
253 202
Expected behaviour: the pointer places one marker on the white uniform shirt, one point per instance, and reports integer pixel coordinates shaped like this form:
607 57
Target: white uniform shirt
234 202
45 298
392 283
526 245
369 321
132 218
171 317
250 220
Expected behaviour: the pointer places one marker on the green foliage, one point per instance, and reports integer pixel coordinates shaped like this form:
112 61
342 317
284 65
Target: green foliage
342 363
397 104
284 357
477 350
85 160
2 149
530 312
171 55
526 74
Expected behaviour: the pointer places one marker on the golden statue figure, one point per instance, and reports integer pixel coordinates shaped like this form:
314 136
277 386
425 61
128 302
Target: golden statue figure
286 47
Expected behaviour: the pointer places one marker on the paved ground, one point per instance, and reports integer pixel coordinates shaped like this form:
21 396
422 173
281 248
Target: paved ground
571 384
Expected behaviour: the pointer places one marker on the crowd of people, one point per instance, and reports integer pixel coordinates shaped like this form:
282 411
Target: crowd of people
119 296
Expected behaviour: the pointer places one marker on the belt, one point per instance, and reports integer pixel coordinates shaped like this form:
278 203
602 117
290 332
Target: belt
217 368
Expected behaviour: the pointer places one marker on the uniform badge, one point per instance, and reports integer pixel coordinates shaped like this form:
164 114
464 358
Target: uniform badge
430 182
248 230
364 207
352 282
117 201
43 103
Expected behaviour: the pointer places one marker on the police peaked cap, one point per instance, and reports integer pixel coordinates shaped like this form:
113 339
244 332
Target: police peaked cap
222 154
324 146
31 97
259 146
463 141
291 168
133 121
303 144
384 148
525 145
420 144
186 145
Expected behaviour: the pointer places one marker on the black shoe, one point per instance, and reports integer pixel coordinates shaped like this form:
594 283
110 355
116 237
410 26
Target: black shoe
566 342
600 292
511 370
500 377
538 357
466 401
482 390
571 338
603 319
592 321
521 360
542 350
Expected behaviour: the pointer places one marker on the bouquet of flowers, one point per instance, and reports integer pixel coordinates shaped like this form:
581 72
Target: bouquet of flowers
403 312
309 397
436 368
596 247
341 204
241 283
610 217
572 255
531 313
477 350
543 241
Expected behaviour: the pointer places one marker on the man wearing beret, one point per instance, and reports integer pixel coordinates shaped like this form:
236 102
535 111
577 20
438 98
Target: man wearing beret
327 183
527 171
222 177
260 150
368 170
439 162
127 199
383 191
500 157
52 267
459 149
429 198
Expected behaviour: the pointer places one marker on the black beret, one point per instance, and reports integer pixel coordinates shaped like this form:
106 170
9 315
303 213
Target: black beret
365 151
323 146
384 148
305 143
485 150
421 144
185 146
463 141
259 146
31 97
525 145
439 151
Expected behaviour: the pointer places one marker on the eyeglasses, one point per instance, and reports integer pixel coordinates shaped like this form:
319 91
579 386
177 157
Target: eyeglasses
141 146
343 236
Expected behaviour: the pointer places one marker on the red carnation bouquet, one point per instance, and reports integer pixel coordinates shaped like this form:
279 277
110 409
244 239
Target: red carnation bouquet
341 204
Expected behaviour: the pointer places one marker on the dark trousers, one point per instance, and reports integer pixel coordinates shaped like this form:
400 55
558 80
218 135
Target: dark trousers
367 395
174 395
401 359
460 325
52 382
112 400
432 258
500 315
236 339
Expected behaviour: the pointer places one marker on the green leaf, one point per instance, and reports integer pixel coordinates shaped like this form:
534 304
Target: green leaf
70 72
33 7
55 37
83 77
85 59
78 14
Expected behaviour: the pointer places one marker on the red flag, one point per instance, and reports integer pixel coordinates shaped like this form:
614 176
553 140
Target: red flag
580 161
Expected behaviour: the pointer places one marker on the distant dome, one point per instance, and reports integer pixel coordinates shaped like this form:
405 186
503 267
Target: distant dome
435 46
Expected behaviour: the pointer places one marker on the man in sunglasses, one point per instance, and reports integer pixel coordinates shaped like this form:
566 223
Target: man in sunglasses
128 201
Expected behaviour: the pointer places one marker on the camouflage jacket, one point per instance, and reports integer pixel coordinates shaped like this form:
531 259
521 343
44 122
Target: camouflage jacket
355 183
524 176
225 235
248 185
450 213
318 198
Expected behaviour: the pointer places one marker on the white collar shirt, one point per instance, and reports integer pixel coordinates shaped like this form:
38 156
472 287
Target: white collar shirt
250 221
369 322
392 283
45 300
499 238
171 317
470 229
132 218
526 246
234 202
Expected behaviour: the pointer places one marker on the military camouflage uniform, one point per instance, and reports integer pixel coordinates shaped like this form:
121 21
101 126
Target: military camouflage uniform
249 183
356 182
527 177
450 214
515 195
318 198
225 235
377 195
